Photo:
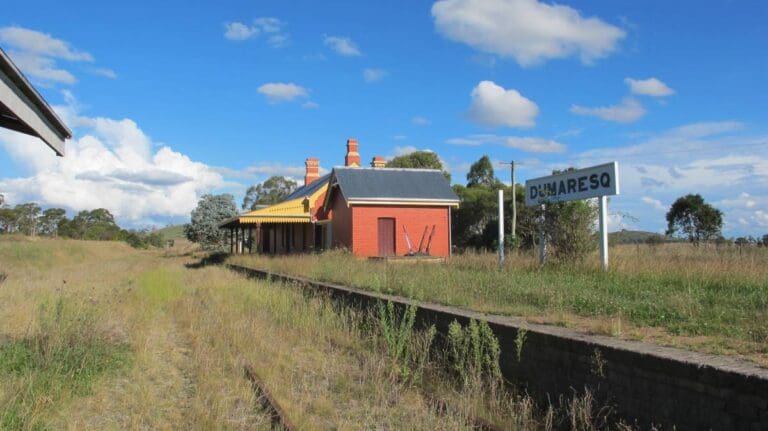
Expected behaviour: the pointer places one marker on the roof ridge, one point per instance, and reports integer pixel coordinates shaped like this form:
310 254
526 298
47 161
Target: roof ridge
367 168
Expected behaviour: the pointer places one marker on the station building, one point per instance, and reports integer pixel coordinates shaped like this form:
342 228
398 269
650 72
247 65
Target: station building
371 211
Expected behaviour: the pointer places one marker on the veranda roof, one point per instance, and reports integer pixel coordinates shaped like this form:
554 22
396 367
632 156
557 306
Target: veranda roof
297 208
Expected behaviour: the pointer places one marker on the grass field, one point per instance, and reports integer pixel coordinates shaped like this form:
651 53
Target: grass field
706 299
97 335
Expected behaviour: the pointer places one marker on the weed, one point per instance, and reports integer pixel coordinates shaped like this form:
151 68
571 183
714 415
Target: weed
408 354
474 352
598 363
520 341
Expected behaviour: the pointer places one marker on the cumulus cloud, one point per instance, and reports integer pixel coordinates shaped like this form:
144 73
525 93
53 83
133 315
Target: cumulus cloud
373 75
39 43
524 143
654 203
37 54
628 111
420 121
239 31
110 164
107 73
720 160
492 105
529 31
648 87
282 91
342 45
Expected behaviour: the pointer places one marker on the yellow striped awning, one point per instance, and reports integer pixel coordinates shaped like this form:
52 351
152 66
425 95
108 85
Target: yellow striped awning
298 210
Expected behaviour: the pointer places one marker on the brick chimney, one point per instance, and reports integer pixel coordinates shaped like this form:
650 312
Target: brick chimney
313 170
378 162
353 157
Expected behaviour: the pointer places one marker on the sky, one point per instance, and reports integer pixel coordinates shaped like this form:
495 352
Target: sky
171 100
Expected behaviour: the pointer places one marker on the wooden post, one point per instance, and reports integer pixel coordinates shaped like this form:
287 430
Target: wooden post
231 241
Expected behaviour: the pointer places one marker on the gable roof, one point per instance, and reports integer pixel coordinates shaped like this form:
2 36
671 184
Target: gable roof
23 109
393 186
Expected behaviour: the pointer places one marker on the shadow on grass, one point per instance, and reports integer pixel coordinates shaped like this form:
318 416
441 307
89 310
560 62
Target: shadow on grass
217 258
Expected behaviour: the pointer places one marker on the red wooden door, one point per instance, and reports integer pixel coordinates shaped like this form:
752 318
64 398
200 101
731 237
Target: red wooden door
386 237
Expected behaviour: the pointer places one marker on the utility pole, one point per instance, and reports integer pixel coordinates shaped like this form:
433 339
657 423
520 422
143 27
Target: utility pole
514 201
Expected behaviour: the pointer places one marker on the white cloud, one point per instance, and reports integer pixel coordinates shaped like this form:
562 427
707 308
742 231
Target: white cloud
109 164
655 203
630 110
42 68
37 55
529 144
420 121
715 159
648 87
310 105
239 31
268 24
107 73
534 145
342 45
282 92
39 43
529 31
399 137
492 105
373 75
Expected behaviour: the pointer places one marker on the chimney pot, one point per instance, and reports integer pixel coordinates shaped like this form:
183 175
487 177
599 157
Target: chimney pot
378 162
313 170
353 157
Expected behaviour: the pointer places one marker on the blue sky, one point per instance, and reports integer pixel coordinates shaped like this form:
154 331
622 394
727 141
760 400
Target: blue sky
170 100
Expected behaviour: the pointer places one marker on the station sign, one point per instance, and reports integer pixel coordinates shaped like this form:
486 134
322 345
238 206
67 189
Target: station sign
592 182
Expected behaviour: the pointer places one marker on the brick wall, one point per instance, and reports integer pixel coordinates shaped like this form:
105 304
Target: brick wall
365 228
642 384
342 223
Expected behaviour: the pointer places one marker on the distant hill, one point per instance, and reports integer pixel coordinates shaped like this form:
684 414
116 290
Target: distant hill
634 237
175 231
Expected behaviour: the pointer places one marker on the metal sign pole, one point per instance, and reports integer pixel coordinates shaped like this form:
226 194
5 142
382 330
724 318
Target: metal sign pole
542 237
604 231
514 204
501 228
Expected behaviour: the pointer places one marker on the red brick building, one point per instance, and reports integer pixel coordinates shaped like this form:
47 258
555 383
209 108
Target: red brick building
371 211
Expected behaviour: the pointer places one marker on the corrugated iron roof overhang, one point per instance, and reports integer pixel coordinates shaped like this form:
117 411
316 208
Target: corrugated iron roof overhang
24 110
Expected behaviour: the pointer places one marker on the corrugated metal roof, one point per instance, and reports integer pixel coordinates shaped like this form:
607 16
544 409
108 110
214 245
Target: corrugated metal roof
394 184
310 189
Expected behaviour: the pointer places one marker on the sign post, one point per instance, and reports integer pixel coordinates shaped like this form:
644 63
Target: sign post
604 232
593 182
501 228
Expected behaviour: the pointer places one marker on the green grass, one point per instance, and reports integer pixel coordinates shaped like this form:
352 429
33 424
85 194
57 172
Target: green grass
675 292
175 231
62 357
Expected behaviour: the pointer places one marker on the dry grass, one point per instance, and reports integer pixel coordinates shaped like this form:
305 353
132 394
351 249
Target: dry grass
165 348
706 299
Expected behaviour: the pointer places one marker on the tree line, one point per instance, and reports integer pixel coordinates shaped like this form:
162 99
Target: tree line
98 225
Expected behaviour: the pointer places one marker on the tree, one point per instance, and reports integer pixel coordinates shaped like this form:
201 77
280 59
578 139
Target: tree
270 192
695 219
7 220
2 200
481 174
51 220
204 224
26 217
98 224
419 160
